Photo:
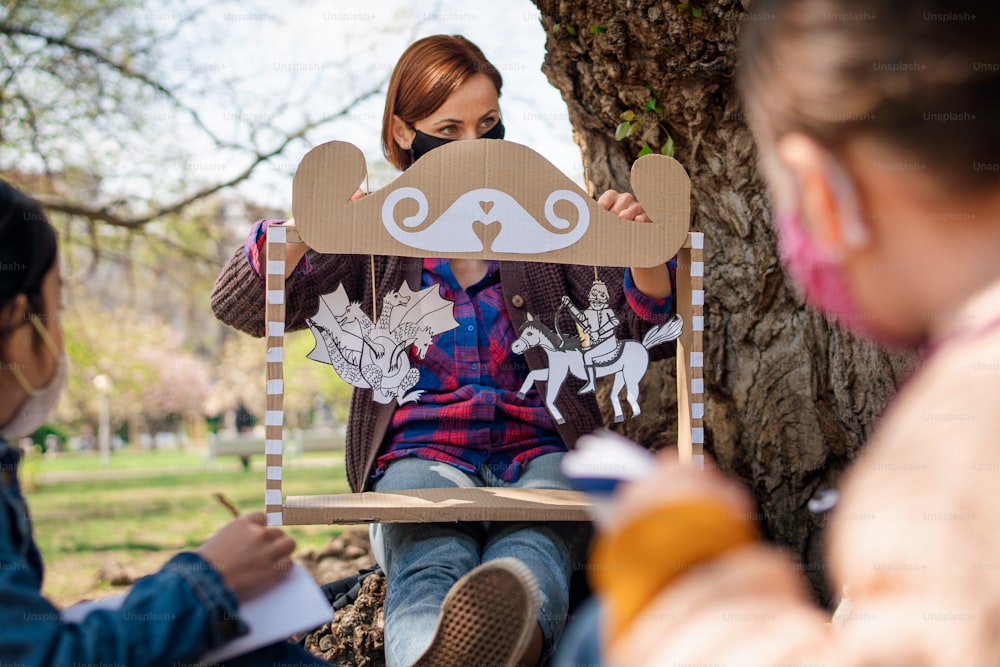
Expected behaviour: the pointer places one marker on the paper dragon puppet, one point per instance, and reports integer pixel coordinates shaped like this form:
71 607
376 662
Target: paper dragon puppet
375 355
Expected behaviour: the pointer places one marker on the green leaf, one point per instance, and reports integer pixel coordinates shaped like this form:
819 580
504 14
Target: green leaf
696 12
598 29
571 30
623 130
668 148
645 150
683 7
556 27
650 105
636 125
628 115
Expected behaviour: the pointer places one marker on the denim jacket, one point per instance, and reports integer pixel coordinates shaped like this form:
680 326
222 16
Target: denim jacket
169 618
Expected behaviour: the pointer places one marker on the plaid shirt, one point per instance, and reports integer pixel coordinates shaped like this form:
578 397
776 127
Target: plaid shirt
469 415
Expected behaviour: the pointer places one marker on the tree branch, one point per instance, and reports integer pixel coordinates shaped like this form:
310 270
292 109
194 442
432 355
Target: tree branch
107 215
13 30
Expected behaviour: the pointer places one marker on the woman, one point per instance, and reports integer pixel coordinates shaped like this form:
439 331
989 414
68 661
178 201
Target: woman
194 600
469 428
878 124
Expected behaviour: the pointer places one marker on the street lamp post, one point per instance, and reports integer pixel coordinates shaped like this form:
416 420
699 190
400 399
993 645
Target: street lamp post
103 385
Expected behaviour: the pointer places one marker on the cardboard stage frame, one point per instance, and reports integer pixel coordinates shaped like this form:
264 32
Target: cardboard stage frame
483 176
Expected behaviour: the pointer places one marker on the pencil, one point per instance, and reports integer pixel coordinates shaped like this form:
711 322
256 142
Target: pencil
228 505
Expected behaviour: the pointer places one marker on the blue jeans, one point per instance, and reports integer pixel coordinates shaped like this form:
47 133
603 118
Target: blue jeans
581 644
422 561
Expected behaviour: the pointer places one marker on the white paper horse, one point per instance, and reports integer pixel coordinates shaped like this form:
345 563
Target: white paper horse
628 364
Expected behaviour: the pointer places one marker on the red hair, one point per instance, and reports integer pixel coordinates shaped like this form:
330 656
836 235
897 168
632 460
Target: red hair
427 73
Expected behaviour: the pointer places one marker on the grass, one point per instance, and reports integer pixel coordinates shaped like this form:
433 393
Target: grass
125 459
146 507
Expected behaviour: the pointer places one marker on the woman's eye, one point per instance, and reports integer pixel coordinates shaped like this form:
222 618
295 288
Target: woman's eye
447 130
489 122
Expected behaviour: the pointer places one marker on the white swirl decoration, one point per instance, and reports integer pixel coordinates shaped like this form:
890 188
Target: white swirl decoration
582 216
439 236
523 235
389 211
453 231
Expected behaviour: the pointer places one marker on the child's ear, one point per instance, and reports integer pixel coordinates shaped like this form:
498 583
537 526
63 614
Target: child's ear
826 198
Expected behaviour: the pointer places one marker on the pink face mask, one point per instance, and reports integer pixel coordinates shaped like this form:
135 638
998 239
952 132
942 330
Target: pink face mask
820 278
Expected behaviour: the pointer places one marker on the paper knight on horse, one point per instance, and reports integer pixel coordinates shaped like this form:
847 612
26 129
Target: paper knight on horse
597 326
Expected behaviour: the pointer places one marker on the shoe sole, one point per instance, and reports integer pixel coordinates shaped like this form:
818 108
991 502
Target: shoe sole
487 618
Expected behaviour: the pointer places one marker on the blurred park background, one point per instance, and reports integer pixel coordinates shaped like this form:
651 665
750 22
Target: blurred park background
155 134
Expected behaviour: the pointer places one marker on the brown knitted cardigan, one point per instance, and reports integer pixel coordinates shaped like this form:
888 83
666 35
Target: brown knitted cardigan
238 300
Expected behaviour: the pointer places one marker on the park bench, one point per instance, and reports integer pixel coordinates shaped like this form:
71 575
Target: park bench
474 504
245 445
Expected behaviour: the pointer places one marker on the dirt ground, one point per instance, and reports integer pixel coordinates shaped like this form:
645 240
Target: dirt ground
354 638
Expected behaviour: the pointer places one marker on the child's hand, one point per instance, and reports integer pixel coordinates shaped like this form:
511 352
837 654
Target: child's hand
661 527
672 481
623 205
250 556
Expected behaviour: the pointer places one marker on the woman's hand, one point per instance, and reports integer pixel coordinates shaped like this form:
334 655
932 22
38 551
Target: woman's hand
624 205
652 281
248 555
295 251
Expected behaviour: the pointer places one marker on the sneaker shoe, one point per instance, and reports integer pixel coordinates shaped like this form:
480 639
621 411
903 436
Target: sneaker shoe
487 618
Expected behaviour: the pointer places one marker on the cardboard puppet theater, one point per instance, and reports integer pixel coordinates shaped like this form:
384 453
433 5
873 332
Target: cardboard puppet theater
487 200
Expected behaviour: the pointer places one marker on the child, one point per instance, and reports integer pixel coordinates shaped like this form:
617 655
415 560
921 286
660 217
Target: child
193 602
878 124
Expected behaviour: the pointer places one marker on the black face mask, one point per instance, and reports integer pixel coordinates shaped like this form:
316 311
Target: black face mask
424 143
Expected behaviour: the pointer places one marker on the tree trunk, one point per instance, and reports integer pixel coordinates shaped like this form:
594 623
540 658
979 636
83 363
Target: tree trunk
790 399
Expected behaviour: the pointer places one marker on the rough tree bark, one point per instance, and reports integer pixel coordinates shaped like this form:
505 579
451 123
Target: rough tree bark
790 399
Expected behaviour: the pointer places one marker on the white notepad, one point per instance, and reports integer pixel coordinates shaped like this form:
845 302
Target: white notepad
295 605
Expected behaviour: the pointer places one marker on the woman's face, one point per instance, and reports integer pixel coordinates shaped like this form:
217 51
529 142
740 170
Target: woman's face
471 111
